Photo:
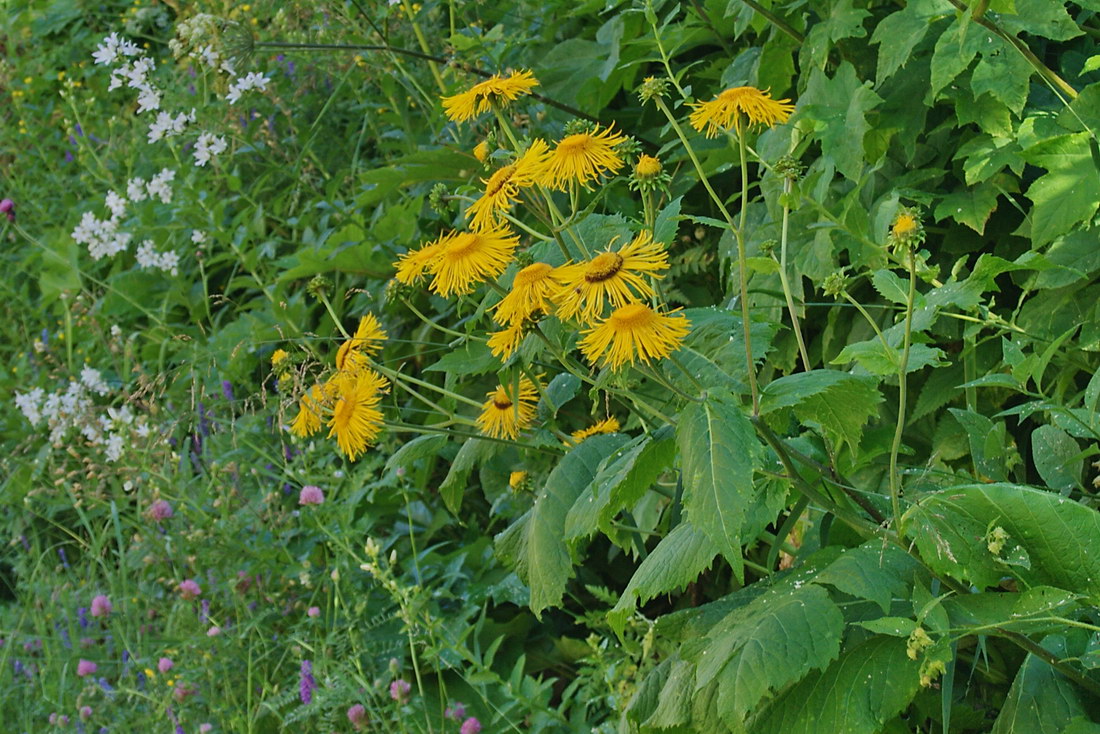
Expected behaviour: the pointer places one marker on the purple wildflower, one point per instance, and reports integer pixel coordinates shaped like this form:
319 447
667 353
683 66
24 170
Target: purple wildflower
227 390
457 712
7 206
399 690
101 606
85 712
160 510
189 589
82 617
470 726
306 683
357 715
63 557
85 667
164 665
313 612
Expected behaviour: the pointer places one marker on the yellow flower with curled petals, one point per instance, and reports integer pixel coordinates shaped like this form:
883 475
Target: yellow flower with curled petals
615 277
634 332
736 106
482 96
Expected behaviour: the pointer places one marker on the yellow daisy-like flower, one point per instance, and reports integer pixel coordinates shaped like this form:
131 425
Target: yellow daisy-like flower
503 343
310 406
502 188
356 420
633 332
278 356
611 425
367 341
584 157
504 415
482 96
467 258
732 107
906 231
413 264
532 289
516 479
612 276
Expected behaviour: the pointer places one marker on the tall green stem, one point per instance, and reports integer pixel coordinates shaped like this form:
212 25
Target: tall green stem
783 277
903 368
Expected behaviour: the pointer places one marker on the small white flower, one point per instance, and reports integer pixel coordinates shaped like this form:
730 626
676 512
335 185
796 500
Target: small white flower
93 380
158 185
135 189
207 147
114 447
116 204
198 236
148 99
107 51
30 404
116 332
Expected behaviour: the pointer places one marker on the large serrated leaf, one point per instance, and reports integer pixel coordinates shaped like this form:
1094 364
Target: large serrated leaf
837 403
535 544
870 684
1061 538
771 642
677 560
719 452
453 486
1041 700
872 571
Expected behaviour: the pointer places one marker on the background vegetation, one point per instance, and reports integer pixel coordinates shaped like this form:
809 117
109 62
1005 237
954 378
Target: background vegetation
892 528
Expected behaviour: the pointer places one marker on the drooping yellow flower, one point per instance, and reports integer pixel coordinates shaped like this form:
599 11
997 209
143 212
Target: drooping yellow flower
516 479
610 425
584 157
614 277
367 341
468 258
310 406
734 106
481 151
503 343
413 264
356 420
482 96
504 414
532 289
503 187
634 332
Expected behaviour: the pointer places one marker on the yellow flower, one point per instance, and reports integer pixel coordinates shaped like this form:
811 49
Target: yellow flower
278 356
906 231
532 289
516 479
367 341
615 277
647 167
481 151
503 343
504 415
611 425
310 406
482 96
502 188
730 108
584 157
467 258
356 420
413 264
634 332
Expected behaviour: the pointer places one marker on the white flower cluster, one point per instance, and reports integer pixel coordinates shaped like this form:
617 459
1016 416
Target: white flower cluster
72 408
166 126
148 257
131 73
207 146
138 189
192 39
252 80
101 235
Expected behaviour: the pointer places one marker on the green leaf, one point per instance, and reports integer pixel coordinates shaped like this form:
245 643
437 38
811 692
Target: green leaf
842 21
772 641
1026 612
871 571
560 391
1040 700
667 222
677 560
1069 192
418 448
838 403
971 207
986 442
871 683
1057 458
1060 537
719 452
472 358
1041 18
583 517
674 702
535 544
894 289
454 484
838 108
892 626
1004 74
897 35
879 359
955 49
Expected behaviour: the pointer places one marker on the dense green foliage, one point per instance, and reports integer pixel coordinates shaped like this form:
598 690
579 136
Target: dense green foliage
868 507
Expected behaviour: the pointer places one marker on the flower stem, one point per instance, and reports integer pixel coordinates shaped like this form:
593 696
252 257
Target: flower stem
783 278
895 480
